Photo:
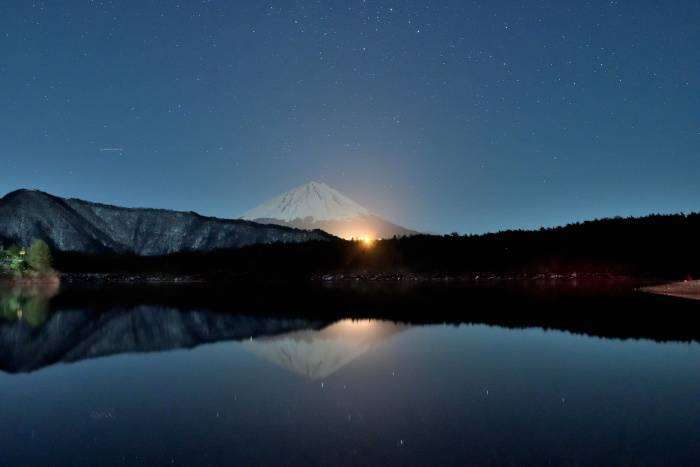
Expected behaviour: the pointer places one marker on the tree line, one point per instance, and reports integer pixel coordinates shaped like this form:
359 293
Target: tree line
656 246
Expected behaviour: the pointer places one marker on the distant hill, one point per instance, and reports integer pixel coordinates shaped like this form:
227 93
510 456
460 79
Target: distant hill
318 206
75 225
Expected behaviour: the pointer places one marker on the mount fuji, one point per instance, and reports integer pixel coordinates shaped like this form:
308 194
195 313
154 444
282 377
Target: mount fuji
318 206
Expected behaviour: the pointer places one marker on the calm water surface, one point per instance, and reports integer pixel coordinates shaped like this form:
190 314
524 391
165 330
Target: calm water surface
115 386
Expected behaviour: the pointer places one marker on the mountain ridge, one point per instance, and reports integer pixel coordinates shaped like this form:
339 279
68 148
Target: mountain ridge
71 224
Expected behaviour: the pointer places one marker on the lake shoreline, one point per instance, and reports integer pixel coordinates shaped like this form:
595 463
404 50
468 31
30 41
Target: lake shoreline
223 277
686 289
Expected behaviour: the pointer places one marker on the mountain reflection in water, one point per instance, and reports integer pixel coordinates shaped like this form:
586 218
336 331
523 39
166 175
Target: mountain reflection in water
319 353
310 348
41 325
180 381
73 335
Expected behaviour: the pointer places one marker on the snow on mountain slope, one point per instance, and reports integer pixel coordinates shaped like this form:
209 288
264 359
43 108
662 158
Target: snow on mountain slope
315 200
318 206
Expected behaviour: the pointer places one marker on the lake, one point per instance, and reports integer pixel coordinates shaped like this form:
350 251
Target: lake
267 374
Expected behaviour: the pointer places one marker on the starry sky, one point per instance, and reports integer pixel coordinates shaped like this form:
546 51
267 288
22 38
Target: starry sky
441 116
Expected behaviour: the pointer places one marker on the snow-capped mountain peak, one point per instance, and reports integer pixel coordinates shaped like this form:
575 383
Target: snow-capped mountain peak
318 206
315 200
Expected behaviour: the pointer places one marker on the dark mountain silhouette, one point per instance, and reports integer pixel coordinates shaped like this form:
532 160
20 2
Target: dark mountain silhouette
81 226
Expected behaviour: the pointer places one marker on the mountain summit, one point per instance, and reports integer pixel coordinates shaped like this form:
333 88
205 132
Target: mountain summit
315 200
318 206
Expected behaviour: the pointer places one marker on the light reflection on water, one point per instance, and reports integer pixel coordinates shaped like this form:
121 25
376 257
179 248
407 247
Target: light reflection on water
27 302
356 392
317 354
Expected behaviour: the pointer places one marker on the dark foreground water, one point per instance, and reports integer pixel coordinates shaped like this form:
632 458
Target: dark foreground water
141 381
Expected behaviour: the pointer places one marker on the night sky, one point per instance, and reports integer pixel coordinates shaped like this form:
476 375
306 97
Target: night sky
466 116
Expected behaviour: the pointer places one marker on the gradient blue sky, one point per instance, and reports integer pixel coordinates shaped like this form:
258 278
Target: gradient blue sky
466 116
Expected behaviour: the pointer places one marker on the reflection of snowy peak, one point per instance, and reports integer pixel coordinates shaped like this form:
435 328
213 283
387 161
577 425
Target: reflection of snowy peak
311 359
318 206
320 353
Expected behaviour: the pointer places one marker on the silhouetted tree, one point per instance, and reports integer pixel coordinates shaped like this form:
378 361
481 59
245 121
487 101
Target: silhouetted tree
39 255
